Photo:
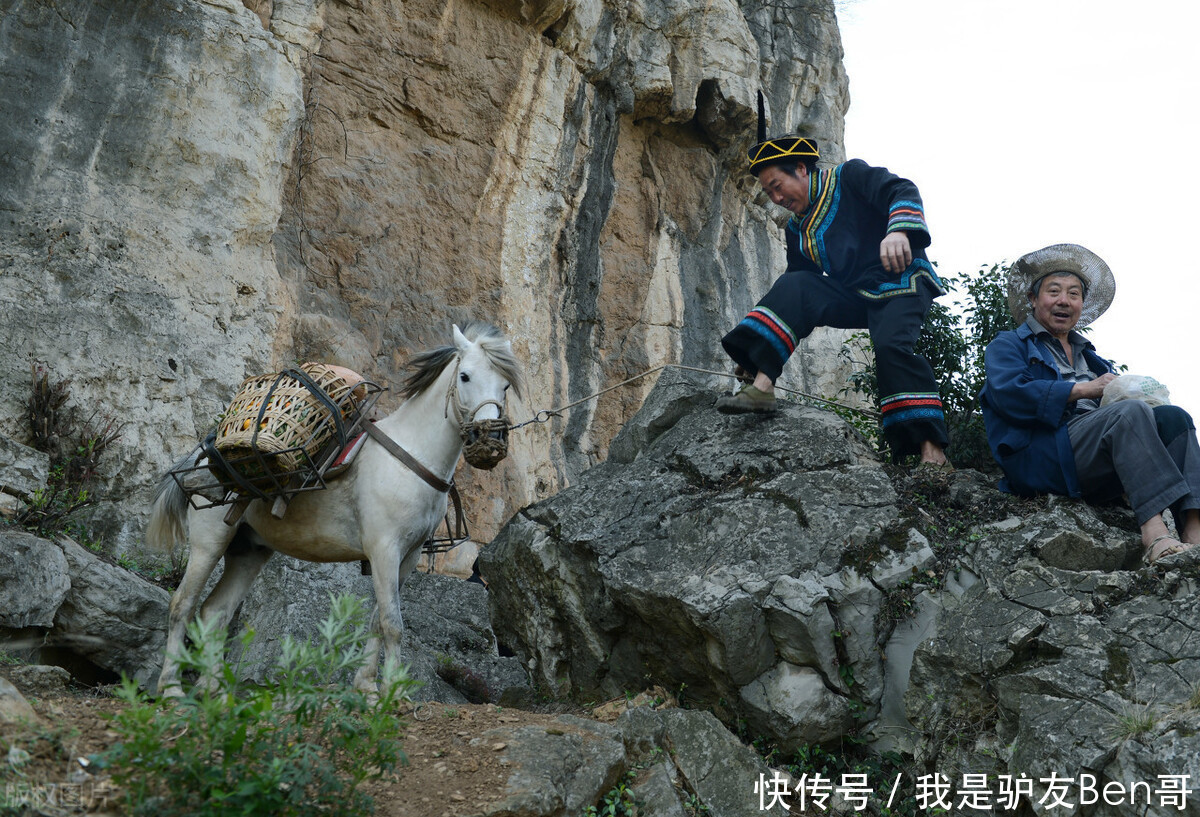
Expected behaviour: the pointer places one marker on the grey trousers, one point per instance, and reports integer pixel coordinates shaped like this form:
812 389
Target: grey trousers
1150 455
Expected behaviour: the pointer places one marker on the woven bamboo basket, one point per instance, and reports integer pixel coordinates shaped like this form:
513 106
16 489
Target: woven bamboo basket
276 426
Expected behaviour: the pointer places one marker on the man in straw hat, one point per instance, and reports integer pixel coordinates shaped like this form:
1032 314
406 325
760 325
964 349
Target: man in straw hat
1041 404
856 259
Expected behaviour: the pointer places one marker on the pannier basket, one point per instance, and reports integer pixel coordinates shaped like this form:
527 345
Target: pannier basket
279 435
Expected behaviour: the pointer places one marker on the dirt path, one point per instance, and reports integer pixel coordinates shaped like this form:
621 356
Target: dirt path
450 771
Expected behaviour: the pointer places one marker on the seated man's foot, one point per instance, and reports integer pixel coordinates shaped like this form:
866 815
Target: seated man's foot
746 400
1162 547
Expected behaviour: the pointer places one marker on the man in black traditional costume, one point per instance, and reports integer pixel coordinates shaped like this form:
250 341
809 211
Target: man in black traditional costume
856 259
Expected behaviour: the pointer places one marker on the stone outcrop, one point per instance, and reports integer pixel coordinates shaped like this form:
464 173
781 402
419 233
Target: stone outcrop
573 763
448 641
778 579
63 601
195 192
789 582
13 706
23 471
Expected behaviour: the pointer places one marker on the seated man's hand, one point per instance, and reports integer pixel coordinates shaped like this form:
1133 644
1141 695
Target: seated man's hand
895 252
1091 389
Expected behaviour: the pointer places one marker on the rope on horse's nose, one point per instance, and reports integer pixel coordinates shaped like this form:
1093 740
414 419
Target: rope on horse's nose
545 414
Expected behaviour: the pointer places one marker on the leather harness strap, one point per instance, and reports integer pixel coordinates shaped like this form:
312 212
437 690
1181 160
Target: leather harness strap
393 448
408 459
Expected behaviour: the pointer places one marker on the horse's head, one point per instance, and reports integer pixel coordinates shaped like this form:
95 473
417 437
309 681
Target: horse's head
485 369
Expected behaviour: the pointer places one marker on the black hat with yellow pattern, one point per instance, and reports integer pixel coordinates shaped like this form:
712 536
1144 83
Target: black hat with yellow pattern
789 148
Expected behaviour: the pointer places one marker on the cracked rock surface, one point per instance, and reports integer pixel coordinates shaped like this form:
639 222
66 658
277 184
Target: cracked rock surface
777 573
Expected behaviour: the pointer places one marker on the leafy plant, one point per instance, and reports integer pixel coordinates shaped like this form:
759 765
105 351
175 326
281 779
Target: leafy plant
300 744
75 444
618 802
953 340
47 509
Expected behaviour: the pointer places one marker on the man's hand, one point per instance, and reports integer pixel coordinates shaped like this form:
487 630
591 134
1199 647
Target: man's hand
1091 389
895 252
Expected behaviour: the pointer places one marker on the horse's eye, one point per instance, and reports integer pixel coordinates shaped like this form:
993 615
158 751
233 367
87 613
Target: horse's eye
464 377
506 385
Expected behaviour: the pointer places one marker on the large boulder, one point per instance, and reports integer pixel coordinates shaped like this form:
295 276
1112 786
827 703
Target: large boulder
74 607
669 759
448 641
37 579
724 557
777 573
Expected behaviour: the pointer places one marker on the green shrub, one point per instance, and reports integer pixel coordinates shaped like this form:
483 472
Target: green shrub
953 340
300 744
618 802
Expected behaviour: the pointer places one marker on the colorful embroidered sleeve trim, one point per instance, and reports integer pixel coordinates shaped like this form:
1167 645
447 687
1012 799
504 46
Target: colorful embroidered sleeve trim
908 216
766 324
906 284
900 408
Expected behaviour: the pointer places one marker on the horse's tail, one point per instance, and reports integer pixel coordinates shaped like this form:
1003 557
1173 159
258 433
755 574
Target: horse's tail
167 528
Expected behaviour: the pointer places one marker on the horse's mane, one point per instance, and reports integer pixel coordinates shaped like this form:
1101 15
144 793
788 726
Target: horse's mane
427 366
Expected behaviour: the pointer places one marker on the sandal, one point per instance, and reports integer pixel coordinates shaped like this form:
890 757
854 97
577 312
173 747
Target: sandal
747 400
1149 557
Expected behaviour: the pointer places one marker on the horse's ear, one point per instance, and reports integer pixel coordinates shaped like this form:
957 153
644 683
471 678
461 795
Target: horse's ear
460 340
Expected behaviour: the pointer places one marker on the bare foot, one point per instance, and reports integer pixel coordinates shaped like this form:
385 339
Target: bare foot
933 454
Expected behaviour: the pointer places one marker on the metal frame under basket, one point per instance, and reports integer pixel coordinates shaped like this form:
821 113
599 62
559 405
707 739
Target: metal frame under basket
205 489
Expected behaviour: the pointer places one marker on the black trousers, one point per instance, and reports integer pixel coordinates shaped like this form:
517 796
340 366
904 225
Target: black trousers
799 302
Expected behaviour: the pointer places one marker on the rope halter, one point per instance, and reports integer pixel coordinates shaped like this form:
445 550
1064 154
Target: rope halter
485 442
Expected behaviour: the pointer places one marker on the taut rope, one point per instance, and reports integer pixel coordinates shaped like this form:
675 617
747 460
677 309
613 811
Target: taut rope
545 414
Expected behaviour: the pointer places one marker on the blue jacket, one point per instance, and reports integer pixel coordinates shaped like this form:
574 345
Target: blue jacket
853 206
1025 409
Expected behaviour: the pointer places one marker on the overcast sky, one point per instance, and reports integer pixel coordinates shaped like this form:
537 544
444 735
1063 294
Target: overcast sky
1034 122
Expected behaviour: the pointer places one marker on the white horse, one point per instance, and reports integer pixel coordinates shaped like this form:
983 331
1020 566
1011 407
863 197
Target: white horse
380 511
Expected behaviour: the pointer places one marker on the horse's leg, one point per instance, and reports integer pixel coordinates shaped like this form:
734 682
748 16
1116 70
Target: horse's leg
243 561
391 645
206 547
364 679
387 574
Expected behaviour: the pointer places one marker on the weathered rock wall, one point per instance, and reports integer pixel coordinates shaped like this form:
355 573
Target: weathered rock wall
195 192
142 158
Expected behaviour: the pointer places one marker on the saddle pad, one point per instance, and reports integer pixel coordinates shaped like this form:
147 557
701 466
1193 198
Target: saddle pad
345 459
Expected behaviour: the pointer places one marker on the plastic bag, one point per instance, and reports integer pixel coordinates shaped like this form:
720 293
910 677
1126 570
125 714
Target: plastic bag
1136 387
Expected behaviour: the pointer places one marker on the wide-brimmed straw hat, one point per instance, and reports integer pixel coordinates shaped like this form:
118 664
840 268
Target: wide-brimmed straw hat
1080 261
779 149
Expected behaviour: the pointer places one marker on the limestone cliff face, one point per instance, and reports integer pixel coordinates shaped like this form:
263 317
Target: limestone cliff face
193 192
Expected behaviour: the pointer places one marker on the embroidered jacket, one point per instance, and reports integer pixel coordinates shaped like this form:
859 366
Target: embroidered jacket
1026 405
853 206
